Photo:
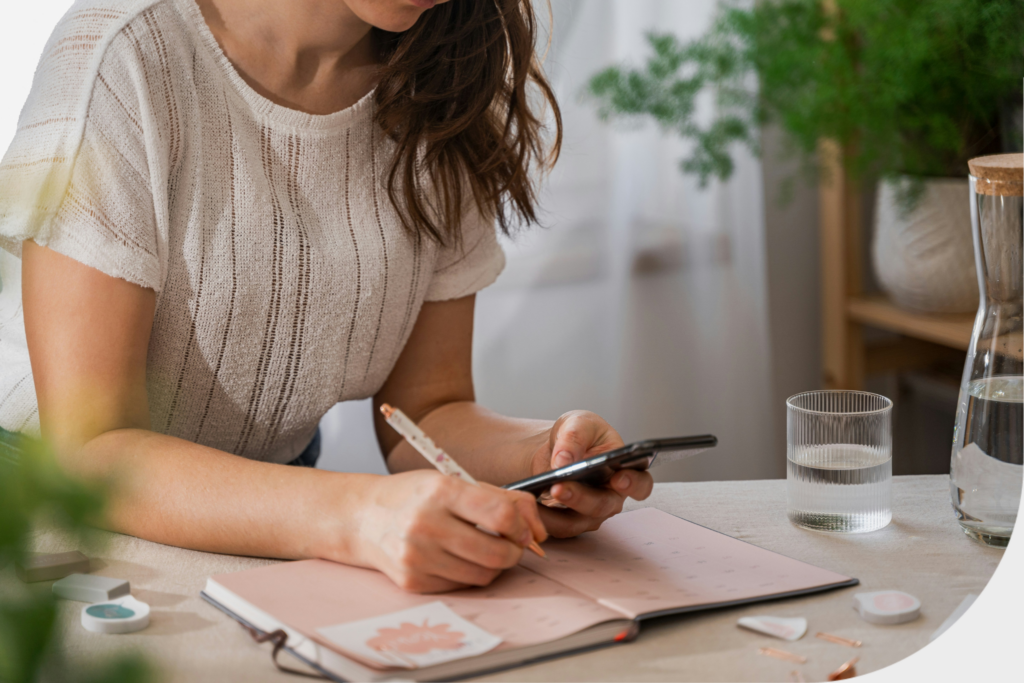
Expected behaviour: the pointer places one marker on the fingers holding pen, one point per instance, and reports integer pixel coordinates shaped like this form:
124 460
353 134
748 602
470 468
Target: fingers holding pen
424 566
492 553
508 514
425 536
526 506
511 514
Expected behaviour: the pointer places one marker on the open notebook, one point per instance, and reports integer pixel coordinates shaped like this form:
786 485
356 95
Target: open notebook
590 591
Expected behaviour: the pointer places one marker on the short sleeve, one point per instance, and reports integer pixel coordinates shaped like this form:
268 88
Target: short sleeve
471 265
77 177
106 218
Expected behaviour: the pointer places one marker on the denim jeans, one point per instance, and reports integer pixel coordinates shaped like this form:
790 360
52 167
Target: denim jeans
308 457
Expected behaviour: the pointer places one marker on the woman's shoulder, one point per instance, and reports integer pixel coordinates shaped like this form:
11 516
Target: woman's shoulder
95 32
97 45
84 34
96 41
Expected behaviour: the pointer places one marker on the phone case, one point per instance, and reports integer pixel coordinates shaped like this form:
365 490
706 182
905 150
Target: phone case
598 470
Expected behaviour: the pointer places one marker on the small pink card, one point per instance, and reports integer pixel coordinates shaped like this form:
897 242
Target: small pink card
412 638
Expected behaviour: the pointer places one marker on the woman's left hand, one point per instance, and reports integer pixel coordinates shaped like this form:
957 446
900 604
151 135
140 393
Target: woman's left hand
576 436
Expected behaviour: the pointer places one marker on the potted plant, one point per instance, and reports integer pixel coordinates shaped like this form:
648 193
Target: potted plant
911 89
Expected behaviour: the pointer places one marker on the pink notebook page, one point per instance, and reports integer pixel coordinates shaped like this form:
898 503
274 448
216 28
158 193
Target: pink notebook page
648 560
521 607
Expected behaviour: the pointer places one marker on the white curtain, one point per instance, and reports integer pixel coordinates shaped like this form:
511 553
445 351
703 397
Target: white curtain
643 297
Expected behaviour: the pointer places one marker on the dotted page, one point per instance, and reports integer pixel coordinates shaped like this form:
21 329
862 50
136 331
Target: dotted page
648 561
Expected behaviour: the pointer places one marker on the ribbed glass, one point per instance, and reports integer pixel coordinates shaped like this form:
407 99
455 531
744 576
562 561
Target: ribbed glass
839 460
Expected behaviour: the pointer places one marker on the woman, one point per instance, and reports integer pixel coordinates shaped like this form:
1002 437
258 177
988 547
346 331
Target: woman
228 215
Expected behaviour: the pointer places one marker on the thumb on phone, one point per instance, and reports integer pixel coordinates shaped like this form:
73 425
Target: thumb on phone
572 436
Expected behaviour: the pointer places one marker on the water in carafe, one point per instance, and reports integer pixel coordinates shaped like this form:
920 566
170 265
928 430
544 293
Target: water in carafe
987 468
987 490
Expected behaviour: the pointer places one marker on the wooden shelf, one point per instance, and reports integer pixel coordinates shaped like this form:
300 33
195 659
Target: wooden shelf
846 309
877 311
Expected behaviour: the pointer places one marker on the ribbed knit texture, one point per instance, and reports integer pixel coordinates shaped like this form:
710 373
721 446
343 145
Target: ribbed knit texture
285 282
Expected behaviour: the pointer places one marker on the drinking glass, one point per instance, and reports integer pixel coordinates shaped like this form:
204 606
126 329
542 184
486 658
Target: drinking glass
839 460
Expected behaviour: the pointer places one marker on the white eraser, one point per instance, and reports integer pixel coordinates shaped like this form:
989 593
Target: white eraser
780 627
124 615
90 588
887 607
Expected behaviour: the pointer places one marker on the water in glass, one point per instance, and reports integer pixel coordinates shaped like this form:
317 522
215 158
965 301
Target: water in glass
841 487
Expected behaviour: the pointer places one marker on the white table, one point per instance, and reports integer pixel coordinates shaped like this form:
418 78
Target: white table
922 552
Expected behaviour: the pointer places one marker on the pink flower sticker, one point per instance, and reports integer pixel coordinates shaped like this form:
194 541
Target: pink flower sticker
420 636
413 639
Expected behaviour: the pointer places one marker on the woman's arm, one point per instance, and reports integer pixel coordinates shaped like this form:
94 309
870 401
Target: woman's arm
433 383
88 335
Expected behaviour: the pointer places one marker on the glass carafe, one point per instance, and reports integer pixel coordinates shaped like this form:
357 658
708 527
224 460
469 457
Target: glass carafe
986 470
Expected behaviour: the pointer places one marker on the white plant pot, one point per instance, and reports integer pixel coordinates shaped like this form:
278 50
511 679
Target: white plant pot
924 259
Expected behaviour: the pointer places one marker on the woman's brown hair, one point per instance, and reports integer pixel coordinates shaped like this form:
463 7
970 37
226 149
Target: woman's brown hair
454 95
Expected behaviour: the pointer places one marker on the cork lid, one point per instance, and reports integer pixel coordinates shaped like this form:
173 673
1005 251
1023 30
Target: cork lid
999 174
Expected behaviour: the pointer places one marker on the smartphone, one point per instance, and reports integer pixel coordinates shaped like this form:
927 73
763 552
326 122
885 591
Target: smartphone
598 471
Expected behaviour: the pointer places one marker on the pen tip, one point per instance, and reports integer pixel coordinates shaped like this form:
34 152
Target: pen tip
387 410
535 547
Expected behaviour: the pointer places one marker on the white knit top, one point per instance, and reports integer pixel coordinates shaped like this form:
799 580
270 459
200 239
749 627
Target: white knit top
285 282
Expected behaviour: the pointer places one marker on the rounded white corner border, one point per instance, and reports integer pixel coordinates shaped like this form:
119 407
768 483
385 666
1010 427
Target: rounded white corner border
984 643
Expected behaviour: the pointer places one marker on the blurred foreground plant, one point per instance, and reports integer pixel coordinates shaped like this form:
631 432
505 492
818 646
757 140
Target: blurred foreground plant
34 491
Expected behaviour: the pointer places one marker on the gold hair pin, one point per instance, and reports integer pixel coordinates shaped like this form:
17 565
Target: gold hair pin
838 640
782 654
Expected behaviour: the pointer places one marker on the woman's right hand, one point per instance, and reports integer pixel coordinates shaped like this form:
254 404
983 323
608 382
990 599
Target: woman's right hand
419 528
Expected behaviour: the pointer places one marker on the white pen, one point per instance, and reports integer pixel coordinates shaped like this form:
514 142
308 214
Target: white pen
426 447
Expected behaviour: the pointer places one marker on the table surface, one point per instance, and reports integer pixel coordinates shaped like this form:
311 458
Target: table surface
922 552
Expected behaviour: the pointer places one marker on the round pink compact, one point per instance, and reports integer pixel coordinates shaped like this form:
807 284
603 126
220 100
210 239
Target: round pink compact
887 607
